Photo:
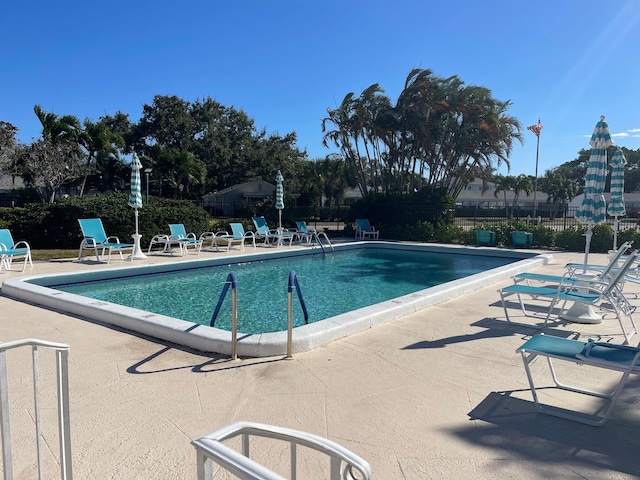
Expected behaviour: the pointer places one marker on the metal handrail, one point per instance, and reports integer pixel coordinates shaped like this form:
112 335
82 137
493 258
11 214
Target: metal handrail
233 283
62 384
294 284
210 448
316 237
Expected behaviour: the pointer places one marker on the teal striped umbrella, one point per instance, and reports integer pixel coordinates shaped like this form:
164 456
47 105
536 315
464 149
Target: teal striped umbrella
135 199
594 209
616 206
279 198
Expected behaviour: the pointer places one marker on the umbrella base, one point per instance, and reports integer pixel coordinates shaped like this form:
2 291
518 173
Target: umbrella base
137 251
581 313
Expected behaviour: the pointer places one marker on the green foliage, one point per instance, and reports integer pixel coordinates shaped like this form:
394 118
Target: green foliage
574 239
543 236
602 239
56 225
570 239
629 235
395 210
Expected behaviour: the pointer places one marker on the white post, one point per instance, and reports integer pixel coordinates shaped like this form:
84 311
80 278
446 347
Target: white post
137 254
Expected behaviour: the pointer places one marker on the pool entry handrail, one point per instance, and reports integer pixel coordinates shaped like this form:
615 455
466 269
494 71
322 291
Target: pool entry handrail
343 463
293 283
62 384
232 282
315 237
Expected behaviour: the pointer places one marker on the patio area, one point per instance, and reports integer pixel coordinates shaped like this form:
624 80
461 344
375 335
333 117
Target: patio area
440 393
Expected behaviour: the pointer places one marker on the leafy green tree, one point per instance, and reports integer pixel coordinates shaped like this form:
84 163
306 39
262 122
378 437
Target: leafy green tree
8 147
47 166
559 189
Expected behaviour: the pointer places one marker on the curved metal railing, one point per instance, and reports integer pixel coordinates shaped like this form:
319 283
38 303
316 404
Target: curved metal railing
343 464
62 383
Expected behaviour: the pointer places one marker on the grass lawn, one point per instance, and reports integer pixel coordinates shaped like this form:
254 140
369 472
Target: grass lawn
43 255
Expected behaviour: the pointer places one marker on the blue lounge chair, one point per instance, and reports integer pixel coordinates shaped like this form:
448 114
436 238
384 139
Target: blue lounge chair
94 238
238 235
167 242
364 229
305 234
600 275
270 236
179 233
601 293
10 250
619 358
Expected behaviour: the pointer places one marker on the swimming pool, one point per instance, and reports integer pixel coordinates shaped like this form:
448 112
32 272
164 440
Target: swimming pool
36 289
331 285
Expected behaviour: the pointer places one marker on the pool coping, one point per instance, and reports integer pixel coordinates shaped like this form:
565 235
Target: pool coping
305 338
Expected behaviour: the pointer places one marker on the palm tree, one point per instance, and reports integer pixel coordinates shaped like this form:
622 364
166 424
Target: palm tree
503 183
56 129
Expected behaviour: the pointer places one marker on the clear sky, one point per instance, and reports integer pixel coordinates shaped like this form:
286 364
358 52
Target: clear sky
284 62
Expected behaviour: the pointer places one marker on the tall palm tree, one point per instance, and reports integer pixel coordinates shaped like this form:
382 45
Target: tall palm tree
58 129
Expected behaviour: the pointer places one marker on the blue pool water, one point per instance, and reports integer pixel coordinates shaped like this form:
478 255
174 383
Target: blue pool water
331 285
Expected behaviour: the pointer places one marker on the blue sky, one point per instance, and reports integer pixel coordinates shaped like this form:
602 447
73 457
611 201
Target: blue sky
284 62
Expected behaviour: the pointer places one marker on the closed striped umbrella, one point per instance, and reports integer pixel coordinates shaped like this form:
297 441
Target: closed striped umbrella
135 199
594 209
616 206
279 198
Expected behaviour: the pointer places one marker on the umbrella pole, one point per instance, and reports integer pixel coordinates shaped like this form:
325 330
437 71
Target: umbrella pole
588 234
279 221
615 232
136 253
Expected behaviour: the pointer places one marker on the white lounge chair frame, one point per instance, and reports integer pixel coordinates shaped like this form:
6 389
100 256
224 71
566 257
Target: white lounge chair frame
238 235
591 293
602 274
95 238
619 358
179 233
167 243
9 250
271 236
364 229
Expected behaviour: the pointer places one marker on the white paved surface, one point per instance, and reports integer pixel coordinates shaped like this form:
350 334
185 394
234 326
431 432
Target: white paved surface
437 394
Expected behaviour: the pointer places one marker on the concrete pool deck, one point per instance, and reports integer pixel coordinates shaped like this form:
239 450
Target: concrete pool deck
439 393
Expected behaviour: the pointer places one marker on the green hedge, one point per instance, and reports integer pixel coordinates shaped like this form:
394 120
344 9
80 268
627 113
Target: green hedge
53 226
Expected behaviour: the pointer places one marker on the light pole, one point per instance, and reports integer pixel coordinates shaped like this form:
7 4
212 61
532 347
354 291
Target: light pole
147 171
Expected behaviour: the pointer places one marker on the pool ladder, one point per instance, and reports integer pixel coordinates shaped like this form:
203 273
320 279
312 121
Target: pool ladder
315 237
232 282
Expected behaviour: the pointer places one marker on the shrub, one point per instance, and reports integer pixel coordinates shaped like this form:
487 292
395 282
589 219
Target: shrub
56 225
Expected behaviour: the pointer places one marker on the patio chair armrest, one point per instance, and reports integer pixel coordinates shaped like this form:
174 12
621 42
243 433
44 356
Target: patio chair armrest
219 234
191 236
90 241
113 239
22 244
251 234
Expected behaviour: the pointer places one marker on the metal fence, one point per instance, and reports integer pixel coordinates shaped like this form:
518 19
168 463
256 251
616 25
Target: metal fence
468 218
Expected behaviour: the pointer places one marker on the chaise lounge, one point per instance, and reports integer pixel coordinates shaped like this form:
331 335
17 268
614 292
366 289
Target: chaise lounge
95 238
10 250
618 358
